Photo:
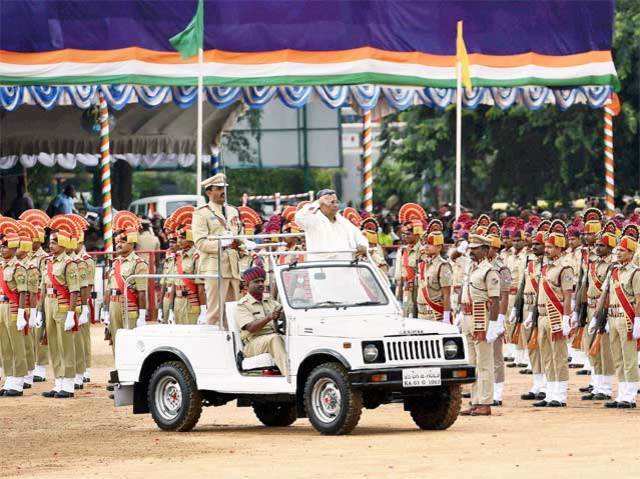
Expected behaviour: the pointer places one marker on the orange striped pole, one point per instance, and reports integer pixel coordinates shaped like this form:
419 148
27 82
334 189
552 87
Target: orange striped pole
367 163
105 174
610 110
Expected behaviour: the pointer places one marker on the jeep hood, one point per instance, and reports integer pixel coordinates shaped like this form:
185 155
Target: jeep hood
373 327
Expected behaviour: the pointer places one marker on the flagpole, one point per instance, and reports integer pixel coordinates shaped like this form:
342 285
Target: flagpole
199 128
458 135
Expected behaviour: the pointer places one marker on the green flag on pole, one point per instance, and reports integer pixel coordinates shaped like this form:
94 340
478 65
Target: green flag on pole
189 40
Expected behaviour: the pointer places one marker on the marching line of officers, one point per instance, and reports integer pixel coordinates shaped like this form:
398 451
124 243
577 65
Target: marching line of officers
545 292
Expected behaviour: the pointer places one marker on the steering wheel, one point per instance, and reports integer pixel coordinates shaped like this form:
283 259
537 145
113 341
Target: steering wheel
281 324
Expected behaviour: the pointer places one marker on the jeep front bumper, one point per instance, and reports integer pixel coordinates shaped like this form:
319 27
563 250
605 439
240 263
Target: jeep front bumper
391 379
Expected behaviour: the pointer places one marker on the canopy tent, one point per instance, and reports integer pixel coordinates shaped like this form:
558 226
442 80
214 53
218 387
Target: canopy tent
367 53
316 42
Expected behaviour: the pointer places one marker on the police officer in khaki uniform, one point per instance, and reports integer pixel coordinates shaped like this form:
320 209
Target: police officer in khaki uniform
189 300
554 306
624 319
13 298
168 267
126 225
256 316
370 229
480 304
216 219
39 220
435 275
62 291
412 218
494 234
603 368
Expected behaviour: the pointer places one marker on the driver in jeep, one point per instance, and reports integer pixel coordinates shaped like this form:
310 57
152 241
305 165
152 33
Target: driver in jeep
256 316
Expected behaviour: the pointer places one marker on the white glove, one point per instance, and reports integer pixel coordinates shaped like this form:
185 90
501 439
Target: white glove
84 315
606 327
528 323
500 322
160 319
592 326
462 247
493 331
446 317
21 322
33 321
142 318
512 316
104 316
69 322
171 319
250 245
202 317
574 319
636 327
225 243
458 321
39 321
566 326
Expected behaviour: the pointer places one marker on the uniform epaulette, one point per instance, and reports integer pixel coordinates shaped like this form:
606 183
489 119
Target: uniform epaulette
206 205
244 299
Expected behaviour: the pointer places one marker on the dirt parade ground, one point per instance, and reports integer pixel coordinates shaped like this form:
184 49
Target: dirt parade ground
88 437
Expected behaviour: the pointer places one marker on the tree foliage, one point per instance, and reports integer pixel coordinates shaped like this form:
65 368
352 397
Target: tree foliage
517 155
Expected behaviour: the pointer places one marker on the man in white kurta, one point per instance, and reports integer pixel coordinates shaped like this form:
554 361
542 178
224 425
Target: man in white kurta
327 230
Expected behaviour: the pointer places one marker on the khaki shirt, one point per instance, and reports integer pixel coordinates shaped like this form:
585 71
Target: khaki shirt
600 269
402 271
630 282
190 259
515 263
83 269
378 258
561 278
484 282
32 264
433 275
460 265
211 220
129 265
168 267
504 273
250 309
15 275
65 271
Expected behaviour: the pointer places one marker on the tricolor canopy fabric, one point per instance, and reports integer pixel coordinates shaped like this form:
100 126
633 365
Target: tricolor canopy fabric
511 43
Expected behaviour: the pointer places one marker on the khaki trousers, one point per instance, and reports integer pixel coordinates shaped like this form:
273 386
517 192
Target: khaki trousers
603 363
498 360
85 331
12 348
268 343
118 320
30 349
625 355
407 304
61 343
554 354
230 292
480 356
42 351
184 313
78 344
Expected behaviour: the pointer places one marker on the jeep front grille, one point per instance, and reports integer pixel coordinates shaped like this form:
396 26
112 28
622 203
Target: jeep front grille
413 349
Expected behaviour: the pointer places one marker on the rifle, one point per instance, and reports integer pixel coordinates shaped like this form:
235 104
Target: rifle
518 306
601 316
581 305
533 340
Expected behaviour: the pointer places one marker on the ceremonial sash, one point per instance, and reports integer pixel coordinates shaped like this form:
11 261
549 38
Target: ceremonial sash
555 313
532 276
13 296
132 297
63 295
435 306
410 273
624 302
594 276
191 286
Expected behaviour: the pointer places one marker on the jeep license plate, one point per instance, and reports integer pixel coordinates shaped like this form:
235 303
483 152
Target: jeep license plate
421 377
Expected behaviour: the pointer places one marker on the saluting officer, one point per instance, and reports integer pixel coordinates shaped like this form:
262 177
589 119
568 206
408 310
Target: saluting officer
13 298
62 291
216 218
435 275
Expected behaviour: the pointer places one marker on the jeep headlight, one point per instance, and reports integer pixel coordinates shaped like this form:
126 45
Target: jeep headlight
370 353
450 349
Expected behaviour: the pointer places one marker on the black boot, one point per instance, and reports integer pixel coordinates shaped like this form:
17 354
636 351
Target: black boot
542 403
63 395
12 393
529 396
50 394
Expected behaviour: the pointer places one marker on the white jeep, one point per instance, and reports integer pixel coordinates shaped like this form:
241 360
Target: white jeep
347 344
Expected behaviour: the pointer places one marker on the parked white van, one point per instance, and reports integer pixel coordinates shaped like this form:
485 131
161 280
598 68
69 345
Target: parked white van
164 205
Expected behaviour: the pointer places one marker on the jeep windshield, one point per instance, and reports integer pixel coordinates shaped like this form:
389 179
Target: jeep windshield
315 287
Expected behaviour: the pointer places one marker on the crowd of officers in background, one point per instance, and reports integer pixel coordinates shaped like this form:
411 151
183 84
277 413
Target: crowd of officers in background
536 294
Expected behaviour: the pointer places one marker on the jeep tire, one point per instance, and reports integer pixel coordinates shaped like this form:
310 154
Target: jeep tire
276 414
174 401
332 406
437 411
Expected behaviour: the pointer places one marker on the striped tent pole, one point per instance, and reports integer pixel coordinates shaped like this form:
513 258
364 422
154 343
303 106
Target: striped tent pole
367 163
105 173
610 110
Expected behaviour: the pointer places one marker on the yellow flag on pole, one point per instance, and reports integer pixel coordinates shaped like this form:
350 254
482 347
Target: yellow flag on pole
463 58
